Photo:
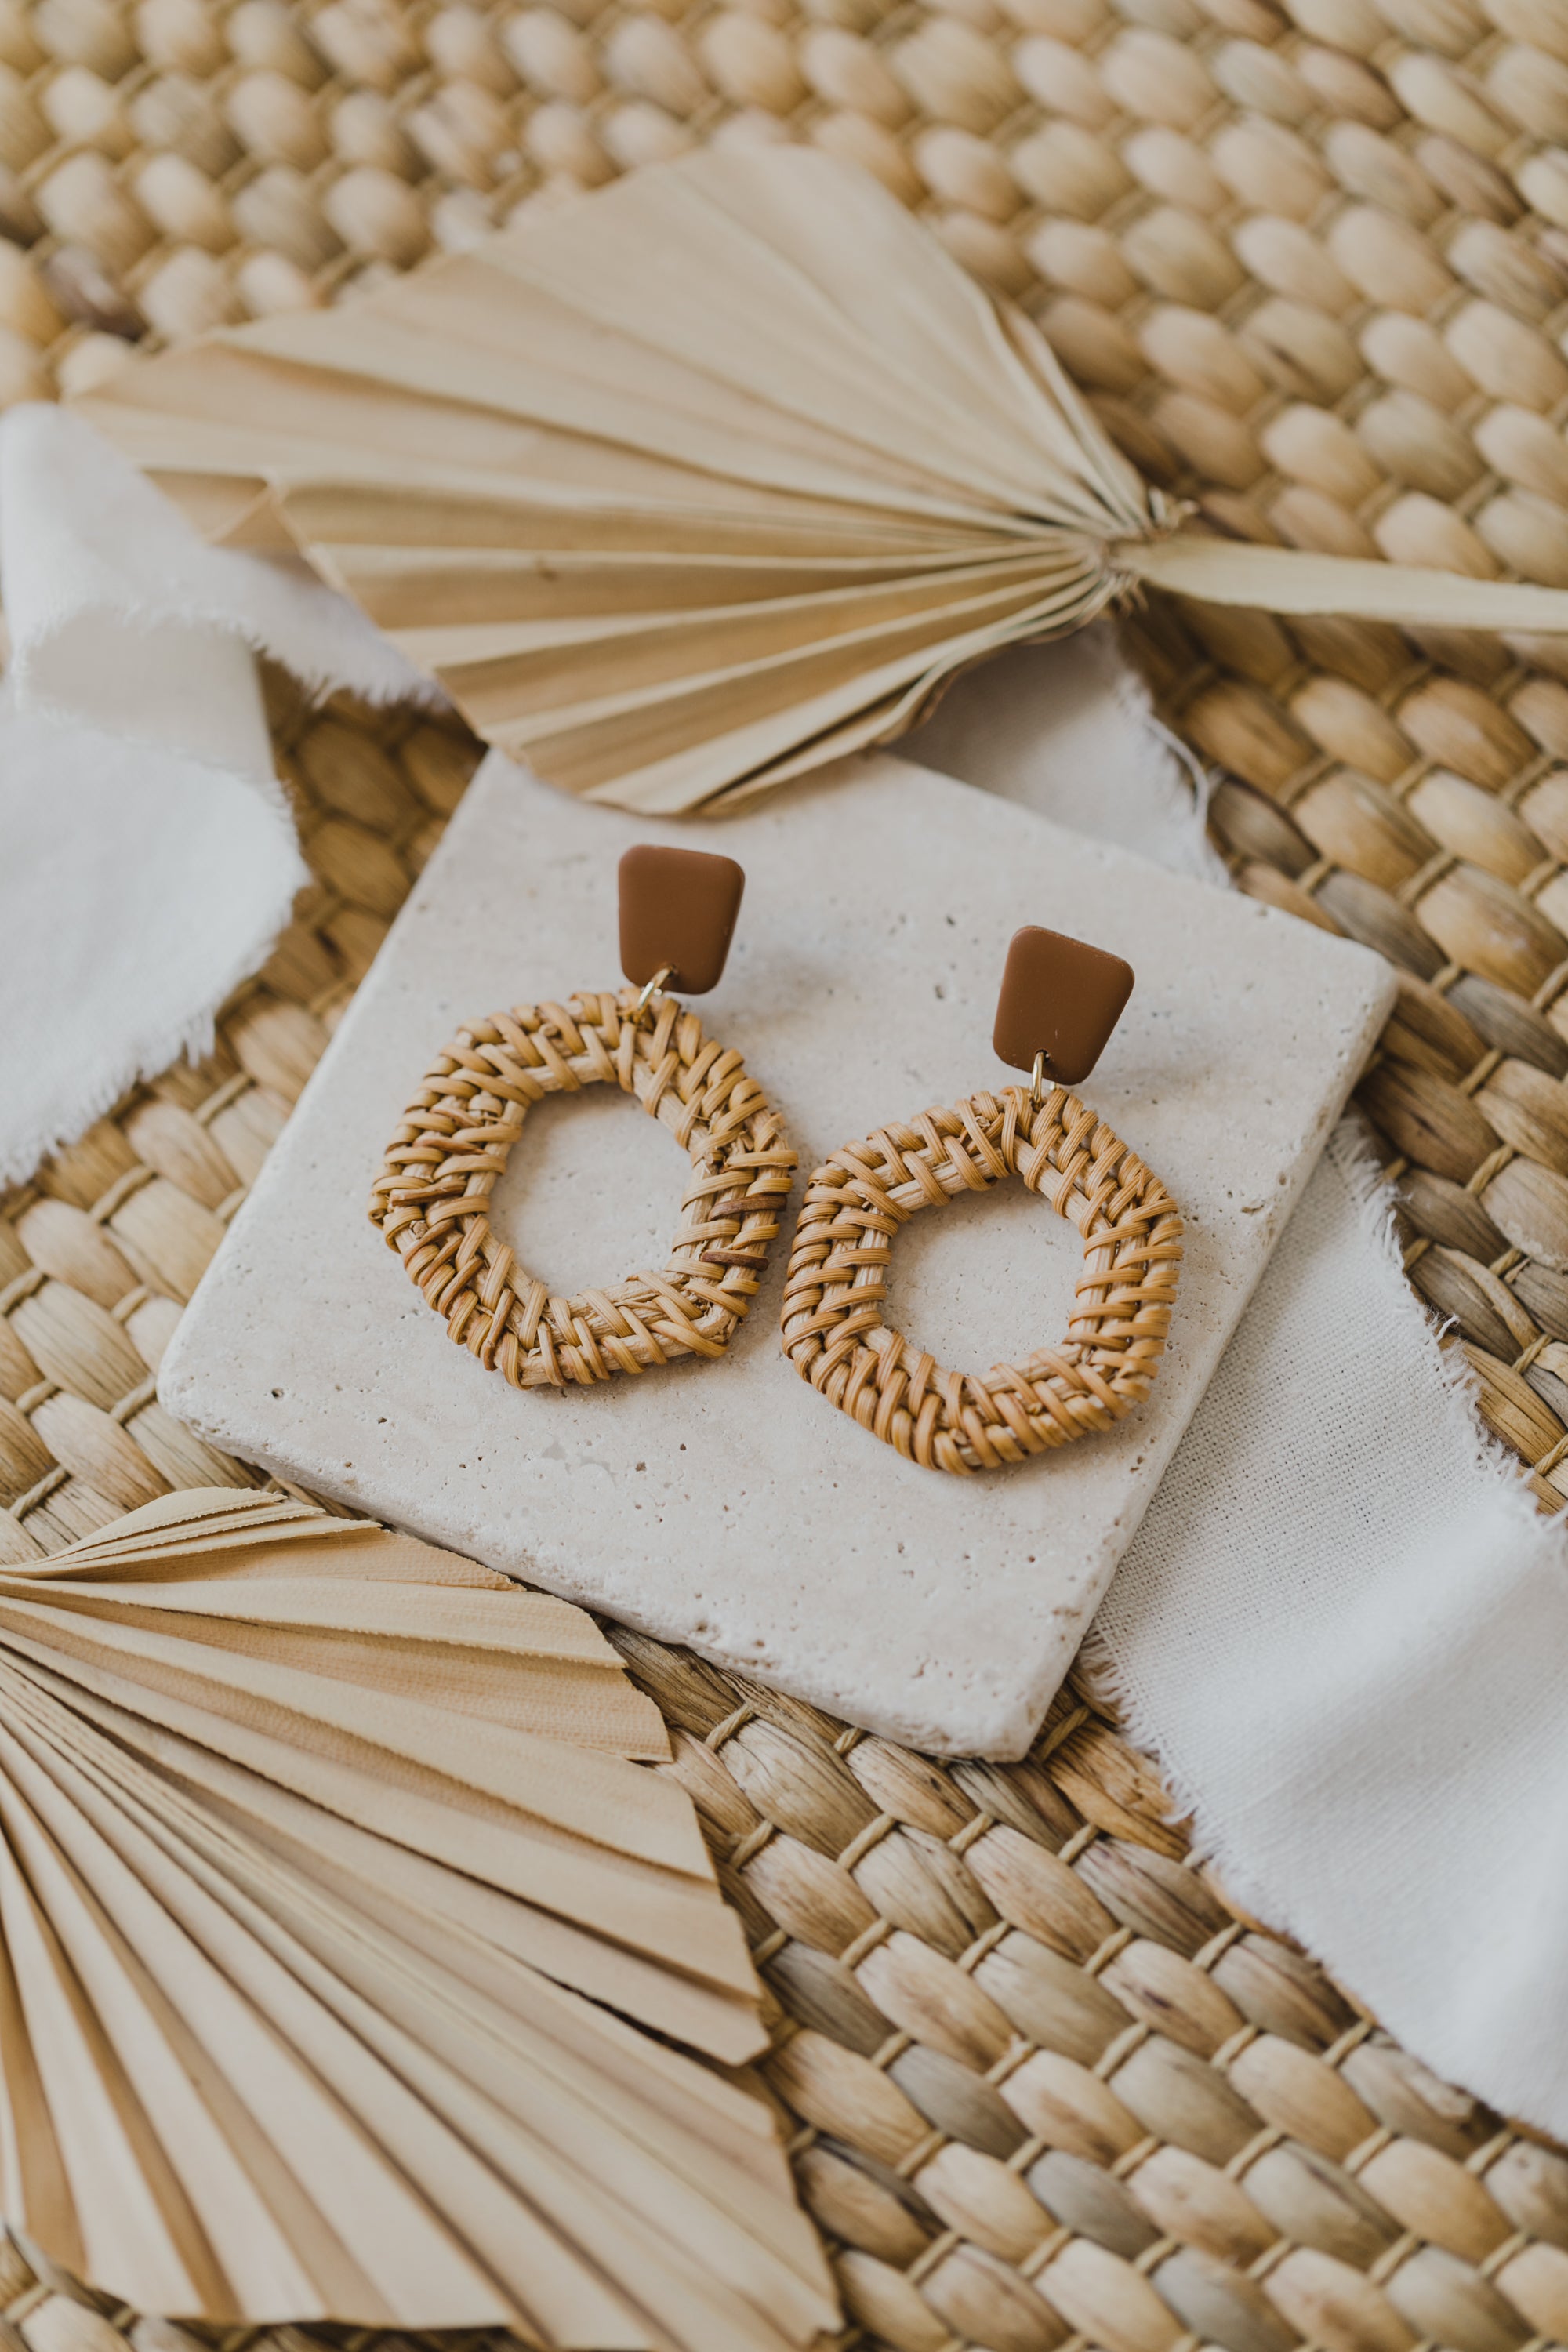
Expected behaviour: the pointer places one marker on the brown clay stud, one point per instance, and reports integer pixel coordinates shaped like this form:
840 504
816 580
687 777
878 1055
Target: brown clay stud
1059 998
677 909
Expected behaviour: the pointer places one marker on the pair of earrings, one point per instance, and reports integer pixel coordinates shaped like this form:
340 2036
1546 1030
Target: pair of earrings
1060 999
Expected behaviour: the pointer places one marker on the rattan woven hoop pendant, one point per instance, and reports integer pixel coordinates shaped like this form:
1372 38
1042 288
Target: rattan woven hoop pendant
963 1421
431 1198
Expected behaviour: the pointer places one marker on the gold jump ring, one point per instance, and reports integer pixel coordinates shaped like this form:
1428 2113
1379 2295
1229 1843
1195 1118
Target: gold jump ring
651 990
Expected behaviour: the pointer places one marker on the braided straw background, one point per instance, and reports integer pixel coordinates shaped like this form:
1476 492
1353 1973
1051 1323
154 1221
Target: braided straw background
1051 2091
449 1152
835 1287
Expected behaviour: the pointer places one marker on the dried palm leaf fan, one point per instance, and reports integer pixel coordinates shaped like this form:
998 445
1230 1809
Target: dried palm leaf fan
306 1834
709 478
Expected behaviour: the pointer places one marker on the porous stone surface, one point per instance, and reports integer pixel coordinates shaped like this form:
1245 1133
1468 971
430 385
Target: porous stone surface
725 1503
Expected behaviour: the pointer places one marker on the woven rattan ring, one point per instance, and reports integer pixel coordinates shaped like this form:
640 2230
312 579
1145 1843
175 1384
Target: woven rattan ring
432 1197
963 1421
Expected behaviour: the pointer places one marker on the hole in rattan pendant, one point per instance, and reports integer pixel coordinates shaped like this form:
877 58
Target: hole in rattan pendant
589 1188
431 1198
990 1278
963 1421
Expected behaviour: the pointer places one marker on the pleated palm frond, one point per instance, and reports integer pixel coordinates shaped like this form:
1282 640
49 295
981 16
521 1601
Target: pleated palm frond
312 1840
711 478
697 483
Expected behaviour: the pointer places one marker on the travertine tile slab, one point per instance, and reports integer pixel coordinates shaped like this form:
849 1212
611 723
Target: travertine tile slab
727 1505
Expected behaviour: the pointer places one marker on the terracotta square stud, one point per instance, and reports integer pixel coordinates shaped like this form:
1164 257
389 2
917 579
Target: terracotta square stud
678 911
1059 998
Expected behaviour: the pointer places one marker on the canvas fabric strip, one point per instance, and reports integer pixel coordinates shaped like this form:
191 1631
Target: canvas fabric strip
150 856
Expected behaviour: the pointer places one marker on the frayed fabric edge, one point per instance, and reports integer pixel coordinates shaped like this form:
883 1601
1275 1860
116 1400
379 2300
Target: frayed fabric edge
147 1057
1175 773
1352 1156
383 678
1350 1152
127 567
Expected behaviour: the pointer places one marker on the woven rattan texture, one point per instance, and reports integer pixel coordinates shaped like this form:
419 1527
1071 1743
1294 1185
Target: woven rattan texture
450 1151
1049 2089
431 1198
836 1288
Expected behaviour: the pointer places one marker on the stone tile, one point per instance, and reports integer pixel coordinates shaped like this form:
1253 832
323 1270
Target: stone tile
726 1505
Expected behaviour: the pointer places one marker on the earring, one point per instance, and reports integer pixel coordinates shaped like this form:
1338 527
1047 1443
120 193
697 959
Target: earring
678 911
1059 1002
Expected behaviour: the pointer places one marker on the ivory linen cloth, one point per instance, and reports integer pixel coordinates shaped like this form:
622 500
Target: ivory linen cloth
1341 1628
148 858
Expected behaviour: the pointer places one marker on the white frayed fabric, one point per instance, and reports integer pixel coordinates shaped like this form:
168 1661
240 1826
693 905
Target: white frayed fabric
1066 728
148 858
1341 1627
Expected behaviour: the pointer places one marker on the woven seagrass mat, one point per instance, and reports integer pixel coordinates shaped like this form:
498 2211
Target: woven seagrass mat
1310 265
1046 2086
